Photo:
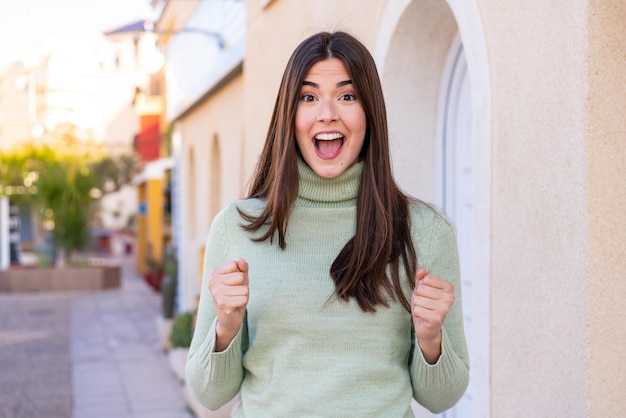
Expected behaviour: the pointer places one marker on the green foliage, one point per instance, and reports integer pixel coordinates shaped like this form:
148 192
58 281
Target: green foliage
182 330
66 189
168 286
63 176
170 263
20 171
114 172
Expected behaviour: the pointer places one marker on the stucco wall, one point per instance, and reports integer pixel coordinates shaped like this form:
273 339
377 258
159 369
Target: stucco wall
556 166
214 127
606 167
537 54
273 34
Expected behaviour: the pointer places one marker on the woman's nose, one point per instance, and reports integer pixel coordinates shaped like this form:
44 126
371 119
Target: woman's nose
327 111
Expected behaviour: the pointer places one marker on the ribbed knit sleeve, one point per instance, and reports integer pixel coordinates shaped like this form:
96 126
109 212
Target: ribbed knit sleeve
214 378
439 386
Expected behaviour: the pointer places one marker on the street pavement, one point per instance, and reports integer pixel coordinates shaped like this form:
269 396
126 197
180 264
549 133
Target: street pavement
86 354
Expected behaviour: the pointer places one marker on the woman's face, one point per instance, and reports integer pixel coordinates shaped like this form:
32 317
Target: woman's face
330 121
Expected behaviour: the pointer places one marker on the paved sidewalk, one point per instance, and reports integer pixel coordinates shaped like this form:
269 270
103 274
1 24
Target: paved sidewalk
86 354
35 358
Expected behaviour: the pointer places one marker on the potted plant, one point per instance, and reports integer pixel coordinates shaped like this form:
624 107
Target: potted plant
169 283
180 339
153 274
168 298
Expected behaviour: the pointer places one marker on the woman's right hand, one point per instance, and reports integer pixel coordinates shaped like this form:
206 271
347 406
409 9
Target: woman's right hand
229 287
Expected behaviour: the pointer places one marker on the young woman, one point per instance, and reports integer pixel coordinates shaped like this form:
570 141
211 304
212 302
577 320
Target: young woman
328 292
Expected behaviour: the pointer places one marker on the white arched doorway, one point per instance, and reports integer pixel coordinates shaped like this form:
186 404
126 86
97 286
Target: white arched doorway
457 197
439 130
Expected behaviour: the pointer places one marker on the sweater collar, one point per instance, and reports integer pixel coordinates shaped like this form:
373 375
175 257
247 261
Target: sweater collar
342 190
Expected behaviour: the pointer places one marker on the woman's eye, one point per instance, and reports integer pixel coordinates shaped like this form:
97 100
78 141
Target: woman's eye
348 97
307 98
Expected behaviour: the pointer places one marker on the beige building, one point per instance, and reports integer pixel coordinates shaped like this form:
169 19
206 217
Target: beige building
89 84
17 103
56 83
508 114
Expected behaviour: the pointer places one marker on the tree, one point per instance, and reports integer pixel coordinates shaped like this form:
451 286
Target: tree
20 170
64 177
114 172
67 190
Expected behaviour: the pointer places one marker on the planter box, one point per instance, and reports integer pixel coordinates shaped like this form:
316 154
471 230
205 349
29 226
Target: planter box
202 412
164 329
58 279
177 358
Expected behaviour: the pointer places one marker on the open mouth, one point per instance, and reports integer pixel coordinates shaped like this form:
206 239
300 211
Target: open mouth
328 145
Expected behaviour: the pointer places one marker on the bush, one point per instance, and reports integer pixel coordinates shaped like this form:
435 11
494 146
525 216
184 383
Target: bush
182 330
168 287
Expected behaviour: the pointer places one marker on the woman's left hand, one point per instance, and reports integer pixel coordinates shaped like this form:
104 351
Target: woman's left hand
431 301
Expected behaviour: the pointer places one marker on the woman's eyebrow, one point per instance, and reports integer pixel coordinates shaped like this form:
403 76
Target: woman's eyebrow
310 83
317 86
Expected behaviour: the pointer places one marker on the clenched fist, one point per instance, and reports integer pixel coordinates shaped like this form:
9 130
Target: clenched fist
229 287
431 301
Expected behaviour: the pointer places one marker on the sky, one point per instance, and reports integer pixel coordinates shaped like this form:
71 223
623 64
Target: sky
28 23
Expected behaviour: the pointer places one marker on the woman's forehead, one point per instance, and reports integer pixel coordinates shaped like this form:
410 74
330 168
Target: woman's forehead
329 68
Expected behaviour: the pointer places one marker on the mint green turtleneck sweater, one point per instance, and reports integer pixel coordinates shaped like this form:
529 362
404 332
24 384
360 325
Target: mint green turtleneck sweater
300 354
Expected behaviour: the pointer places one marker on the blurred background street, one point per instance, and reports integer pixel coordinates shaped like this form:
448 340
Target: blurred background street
86 354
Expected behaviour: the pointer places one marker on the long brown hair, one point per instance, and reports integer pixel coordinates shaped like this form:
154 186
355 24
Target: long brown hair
382 237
